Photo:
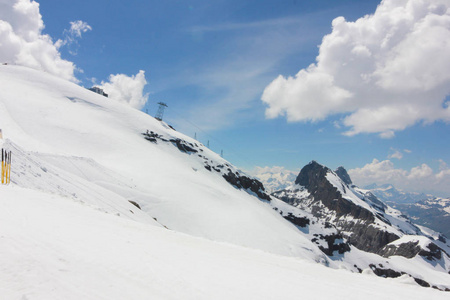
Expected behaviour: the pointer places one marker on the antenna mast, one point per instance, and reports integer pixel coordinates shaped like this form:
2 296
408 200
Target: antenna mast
160 112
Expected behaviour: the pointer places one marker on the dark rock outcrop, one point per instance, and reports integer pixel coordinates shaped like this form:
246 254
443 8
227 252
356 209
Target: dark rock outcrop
360 219
343 175
298 221
387 273
366 237
313 178
135 203
434 252
244 182
411 249
408 250
325 198
335 242
184 146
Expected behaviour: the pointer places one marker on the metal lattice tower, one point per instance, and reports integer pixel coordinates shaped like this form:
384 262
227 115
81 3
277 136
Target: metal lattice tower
160 112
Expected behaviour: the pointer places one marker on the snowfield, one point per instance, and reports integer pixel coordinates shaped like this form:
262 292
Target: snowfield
69 229
65 136
55 248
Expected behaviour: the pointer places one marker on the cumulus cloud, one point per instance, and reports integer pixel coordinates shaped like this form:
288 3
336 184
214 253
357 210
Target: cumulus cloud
23 43
127 89
420 178
384 72
421 171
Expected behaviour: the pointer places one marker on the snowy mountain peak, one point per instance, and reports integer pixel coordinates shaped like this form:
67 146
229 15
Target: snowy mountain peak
365 222
310 173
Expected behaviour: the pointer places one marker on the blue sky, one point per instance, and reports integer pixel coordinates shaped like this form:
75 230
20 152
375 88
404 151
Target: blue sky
211 62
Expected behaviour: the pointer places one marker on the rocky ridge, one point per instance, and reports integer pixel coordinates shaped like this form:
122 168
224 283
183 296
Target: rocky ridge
361 221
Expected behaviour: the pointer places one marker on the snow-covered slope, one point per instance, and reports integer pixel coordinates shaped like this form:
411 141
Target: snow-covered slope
70 141
52 248
106 202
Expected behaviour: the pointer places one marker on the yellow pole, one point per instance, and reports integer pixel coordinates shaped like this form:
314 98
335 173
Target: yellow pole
6 168
9 168
3 167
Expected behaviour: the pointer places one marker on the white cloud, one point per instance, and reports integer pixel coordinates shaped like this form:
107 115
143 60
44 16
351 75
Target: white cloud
127 89
385 71
420 178
23 43
77 27
377 171
444 171
396 154
272 170
72 35
443 175
421 171
274 178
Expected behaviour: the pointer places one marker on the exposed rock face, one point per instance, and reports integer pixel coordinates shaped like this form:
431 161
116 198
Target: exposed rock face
359 216
408 250
325 199
298 221
343 175
322 233
434 252
367 237
333 244
247 183
431 252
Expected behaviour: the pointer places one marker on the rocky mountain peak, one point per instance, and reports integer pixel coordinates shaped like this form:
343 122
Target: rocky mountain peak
358 222
311 174
343 175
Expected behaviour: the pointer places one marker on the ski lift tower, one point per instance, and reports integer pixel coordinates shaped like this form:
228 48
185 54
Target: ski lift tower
160 112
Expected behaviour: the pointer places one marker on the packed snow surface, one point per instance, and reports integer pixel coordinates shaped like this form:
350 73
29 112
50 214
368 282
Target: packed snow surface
56 248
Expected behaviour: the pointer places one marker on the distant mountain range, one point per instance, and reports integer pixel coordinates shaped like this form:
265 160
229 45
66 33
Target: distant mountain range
433 213
388 193
274 178
424 209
